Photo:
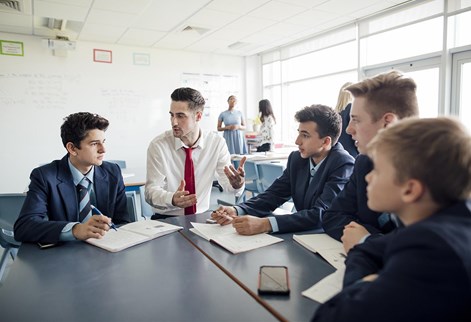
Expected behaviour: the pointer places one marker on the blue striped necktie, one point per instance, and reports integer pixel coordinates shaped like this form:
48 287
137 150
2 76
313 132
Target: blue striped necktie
312 173
84 199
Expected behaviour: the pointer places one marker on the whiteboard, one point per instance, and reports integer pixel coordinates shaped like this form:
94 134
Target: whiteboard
38 90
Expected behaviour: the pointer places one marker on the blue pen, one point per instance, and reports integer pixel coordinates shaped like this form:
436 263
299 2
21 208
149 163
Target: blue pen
96 211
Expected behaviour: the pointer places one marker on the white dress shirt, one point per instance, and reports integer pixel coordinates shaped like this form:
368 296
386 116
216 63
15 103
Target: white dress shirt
166 168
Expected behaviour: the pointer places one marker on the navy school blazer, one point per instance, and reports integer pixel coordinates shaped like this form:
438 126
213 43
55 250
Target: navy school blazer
310 200
51 201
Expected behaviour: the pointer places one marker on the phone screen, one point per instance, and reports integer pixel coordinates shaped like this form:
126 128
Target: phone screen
273 280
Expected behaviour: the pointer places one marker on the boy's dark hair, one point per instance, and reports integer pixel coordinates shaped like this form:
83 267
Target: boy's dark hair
76 126
329 122
192 96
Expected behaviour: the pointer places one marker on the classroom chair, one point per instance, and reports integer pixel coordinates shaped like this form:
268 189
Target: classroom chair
146 209
131 205
252 182
268 172
120 163
10 207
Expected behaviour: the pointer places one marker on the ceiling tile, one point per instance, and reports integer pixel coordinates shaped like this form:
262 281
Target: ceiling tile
167 15
342 7
305 3
59 10
311 18
239 6
208 18
109 18
126 6
140 37
276 10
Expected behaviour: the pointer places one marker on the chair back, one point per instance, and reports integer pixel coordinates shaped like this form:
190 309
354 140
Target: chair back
146 209
268 173
120 163
10 207
131 205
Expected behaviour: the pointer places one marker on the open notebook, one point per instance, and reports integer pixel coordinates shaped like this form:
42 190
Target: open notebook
228 238
330 249
132 234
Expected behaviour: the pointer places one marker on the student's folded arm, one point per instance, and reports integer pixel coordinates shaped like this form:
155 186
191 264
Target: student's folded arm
365 259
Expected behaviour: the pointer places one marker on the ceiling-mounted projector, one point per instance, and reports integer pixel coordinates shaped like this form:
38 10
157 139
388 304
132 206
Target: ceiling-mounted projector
59 44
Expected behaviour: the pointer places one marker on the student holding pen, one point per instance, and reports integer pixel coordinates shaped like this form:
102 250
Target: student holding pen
61 195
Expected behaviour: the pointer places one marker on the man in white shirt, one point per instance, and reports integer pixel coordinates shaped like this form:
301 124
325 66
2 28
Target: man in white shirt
166 157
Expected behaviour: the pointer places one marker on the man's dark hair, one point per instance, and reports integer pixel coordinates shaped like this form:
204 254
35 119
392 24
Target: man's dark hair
192 96
329 122
76 126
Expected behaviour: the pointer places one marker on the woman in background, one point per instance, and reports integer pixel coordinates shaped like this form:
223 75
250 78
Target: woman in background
343 107
234 123
267 129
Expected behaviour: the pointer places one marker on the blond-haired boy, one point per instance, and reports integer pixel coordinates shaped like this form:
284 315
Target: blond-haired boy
421 272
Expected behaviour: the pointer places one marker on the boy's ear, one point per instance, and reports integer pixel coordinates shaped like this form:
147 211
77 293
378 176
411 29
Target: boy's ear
327 142
413 190
389 118
71 148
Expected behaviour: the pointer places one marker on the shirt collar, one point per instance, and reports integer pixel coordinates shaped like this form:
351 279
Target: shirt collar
198 144
77 176
315 166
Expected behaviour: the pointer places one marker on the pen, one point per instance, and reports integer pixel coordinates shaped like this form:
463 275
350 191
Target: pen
96 211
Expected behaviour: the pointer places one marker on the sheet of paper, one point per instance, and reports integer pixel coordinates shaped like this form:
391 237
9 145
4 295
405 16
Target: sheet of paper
326 288
228 238
151 228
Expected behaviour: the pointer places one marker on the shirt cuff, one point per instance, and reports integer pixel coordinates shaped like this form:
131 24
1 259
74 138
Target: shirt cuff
364 238
66 233
274 225
239 211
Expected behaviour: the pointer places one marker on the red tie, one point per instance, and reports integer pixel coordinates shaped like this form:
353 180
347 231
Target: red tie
189 179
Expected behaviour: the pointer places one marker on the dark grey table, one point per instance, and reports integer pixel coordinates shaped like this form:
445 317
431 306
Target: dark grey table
166 279
304 268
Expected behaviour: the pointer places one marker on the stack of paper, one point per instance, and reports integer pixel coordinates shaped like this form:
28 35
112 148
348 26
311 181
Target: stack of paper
327 247
133 234
326 287
228 238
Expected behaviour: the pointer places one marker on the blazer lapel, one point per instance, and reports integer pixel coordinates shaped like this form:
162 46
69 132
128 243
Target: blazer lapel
101 182
67 190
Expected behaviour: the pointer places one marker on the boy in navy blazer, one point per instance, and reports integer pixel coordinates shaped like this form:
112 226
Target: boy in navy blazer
422 271
378 102
314 175
50 213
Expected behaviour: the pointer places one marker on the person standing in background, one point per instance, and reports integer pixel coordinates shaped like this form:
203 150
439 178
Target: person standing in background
343 107
267 129
234 124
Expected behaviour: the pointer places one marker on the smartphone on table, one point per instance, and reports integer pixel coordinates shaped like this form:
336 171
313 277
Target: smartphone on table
273 280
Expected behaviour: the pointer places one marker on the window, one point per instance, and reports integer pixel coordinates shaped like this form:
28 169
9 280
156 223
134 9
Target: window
461 96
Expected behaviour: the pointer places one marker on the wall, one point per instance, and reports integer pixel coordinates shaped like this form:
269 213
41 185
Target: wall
38 90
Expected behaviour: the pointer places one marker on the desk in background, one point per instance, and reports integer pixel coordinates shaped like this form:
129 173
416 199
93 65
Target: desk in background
304 268
133 179
166 279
